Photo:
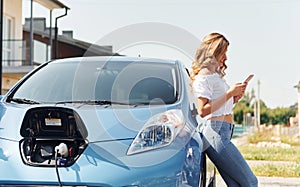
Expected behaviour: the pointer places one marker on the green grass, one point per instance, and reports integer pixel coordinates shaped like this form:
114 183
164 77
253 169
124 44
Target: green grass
259 137
274 170
271 153
290 155
269 137
293 141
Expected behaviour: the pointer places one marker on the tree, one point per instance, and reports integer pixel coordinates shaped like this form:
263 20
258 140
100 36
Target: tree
267 115
264 116
243 107
238 112
281 115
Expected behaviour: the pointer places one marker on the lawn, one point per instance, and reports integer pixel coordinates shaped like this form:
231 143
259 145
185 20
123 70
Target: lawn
288 156
274 170
271 153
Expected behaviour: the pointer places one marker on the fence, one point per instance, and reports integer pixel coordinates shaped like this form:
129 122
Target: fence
14 52
242 129
280 129
273 129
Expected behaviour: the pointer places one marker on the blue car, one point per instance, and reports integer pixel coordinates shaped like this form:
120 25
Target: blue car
102 121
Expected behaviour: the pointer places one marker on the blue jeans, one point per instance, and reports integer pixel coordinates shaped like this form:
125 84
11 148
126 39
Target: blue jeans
222 152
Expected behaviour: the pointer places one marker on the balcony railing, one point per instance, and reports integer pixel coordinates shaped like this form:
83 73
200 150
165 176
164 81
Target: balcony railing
14 52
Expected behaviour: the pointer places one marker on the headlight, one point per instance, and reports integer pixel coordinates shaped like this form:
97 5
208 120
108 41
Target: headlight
158 132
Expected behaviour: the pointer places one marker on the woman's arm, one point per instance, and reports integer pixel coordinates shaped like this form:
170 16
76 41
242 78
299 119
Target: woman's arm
206 107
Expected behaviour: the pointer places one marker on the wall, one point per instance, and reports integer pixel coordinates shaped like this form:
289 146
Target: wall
12 49
13 8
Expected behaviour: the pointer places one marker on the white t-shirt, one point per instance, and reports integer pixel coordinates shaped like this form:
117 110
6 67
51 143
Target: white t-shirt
212 87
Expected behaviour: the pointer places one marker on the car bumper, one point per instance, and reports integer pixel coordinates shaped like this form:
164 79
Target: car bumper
101 164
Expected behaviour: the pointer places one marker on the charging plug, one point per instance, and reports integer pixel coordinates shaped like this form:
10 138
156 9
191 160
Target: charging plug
62 149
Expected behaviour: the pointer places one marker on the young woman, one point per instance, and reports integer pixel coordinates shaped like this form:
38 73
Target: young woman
215 103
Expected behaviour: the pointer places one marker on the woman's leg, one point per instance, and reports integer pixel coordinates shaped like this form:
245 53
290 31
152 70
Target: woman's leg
226 157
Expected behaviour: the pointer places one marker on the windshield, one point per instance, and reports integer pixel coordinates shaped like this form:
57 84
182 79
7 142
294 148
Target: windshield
110 81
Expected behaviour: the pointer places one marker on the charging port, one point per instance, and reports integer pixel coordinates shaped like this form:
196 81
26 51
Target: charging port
52 136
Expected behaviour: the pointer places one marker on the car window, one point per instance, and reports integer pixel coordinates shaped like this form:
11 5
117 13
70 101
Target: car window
127 82
51 83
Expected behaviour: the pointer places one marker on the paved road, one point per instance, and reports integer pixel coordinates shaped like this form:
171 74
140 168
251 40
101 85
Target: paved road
268 182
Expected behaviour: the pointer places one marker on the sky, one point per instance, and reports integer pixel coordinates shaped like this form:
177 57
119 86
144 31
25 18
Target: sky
264 35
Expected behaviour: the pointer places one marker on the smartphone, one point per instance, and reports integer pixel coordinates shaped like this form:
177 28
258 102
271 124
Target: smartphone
249 78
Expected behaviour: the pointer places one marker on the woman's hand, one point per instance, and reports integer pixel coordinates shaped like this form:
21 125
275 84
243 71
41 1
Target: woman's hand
237 98
237 90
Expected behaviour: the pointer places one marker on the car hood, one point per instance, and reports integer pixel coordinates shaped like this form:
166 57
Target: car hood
102 123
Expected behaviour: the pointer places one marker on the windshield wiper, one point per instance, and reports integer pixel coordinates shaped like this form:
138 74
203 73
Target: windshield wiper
95 102
23 101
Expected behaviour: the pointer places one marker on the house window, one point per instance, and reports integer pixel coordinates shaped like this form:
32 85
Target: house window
8 28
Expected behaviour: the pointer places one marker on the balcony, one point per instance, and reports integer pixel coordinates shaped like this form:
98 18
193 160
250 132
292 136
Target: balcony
14 53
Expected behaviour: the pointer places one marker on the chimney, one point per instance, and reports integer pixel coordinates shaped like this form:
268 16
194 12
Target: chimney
68 34
39 24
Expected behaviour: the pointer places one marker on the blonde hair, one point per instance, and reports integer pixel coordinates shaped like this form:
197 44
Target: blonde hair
212 48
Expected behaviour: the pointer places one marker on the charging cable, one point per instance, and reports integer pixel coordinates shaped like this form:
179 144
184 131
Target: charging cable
56 167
